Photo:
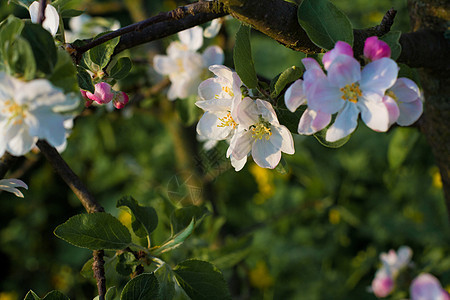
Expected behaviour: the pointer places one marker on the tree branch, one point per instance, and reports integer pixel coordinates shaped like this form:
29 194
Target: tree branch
6 161
41 14
86 198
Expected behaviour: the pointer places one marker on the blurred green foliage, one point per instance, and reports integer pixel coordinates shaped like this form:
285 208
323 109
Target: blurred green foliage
313 233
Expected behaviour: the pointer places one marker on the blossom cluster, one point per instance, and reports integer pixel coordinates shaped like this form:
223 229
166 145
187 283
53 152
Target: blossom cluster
104 94
184 65
251 126
424 287
373 91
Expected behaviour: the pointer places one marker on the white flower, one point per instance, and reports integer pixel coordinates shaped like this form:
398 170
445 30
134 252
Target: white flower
10 185
51 21
427 287
85 26
260 134
31 111
219 97
184 65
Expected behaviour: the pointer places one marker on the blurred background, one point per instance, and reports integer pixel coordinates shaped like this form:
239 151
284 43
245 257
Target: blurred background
312 232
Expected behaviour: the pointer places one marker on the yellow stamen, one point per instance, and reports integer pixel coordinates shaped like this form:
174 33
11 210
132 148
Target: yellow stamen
261 130
227 121
351 92
392 95
15 111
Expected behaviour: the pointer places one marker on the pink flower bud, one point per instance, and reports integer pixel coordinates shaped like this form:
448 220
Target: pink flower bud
375 49
382 285
427 287
120 100
88 101
103 93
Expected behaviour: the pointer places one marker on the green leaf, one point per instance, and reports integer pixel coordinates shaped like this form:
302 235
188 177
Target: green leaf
320 136
53 295
31 296
43 46
85 80
94 231
121 68
144 218
110 270
175 241
282 167
142 287
288 118
65 73
182 217
9 30
242 55
70 13
111 294
324 23
402 142
23 3
101 54
287 76
21 58
164 274
201 280
188 112
392 39
126 263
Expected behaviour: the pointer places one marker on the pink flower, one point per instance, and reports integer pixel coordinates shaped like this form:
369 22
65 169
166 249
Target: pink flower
382 284
341 48
103 93
120 100
427 287
375 49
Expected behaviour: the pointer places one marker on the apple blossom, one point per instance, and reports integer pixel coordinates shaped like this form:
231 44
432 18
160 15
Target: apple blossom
375 49
120 100
260 134
297 94
404 102
31 111
427 287
51 21
9 185
348 90
184 65
382 284
103 93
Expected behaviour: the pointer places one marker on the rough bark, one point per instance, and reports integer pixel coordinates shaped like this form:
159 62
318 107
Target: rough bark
433 15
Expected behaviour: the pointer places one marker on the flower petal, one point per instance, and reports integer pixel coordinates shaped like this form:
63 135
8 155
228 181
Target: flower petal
164 65
265 154
295 96
409 112
210 88
378 76
216 105
242 144
392 108
375 115
192 37
213 55
313 121
341 48
213 29
427 287
375 49
287 142
209 126
324 97
405 90
345 123
344 70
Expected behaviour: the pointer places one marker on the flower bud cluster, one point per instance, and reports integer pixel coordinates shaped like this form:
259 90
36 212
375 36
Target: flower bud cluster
104 94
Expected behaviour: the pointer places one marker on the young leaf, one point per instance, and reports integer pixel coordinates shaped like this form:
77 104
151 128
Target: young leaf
31 296
287 76
182 217
164 274
64 74
175 241
53 295
43 46
101 54
94 231
70 13
324 23
392 39
144 218
288 118
21 58
121 68
126 264
402 142
85 80
111 294
201 280
141 287
320 136
242 55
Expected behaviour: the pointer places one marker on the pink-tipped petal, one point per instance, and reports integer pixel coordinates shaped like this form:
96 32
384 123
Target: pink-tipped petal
378 76
295 96
341 48
392 108
427 287
120 100
310 63
324 97
343 71
409 112
375 49
375 115
405 90
313 121
382 286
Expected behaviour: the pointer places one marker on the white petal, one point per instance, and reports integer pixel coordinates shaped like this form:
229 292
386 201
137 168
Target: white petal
22 143
47 125
392 108
313 121
409 112
238 164
216 105
310 63
213 55
247 113
295 96
213 29
266 110
242 145
375 115
222 72
378 76
345 123
211 88
51 21
192 37
208 126
265 154
324 97
164 65
405 90
287 142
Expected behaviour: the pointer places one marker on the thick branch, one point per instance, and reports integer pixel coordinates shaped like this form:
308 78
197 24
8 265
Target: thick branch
41 14
6 161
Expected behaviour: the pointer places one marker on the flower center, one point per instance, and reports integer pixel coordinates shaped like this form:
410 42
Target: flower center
227 121
392 95
261 130
351 92
15 111
227 90
179 62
